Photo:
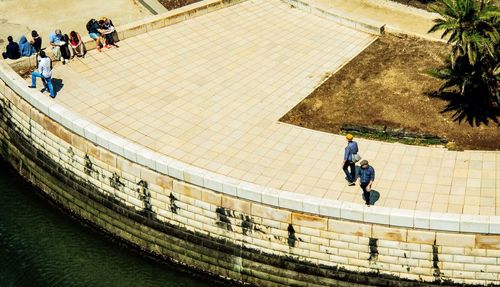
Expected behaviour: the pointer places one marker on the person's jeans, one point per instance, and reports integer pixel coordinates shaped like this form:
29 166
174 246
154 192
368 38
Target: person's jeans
351 176
366 194
47 82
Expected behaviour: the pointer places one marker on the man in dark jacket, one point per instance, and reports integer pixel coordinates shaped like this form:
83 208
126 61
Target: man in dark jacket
12 50
366 178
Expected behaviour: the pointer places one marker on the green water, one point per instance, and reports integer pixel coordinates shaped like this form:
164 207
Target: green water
42 246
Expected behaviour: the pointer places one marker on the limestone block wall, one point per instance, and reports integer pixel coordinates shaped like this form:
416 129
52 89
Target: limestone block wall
228 228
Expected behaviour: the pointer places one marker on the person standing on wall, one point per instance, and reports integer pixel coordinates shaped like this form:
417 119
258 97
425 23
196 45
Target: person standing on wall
44 72
349 162
366 178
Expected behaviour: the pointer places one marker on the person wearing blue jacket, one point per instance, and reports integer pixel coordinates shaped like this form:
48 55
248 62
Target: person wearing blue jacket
25 47
366 178
350 149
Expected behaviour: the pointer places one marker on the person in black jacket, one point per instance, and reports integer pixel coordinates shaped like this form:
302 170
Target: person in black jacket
36 41
12 50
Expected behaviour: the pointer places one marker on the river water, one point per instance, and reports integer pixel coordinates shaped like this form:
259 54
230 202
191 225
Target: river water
42 246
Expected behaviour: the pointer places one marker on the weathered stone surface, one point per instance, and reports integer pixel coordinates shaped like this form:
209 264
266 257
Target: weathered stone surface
488 241
211 197
346 227
389 233
93 151
312 221
236 204
271 213
455 240
419 236
187 189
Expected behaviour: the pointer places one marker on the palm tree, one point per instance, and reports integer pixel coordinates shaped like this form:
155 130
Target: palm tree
472 26
473 71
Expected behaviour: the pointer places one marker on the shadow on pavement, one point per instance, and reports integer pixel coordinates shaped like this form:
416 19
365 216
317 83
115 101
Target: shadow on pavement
374 196
58 84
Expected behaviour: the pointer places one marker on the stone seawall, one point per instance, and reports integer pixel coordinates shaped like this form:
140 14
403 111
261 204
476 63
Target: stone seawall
235 238
228 228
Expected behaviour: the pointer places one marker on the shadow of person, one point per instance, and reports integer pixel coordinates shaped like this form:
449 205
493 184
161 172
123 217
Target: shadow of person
374 196
57 84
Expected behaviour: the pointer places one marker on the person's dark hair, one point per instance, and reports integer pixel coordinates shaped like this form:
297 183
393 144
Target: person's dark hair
73 34
101 22
42 54
9 39
34 33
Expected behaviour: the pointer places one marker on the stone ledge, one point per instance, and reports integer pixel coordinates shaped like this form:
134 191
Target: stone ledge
364 24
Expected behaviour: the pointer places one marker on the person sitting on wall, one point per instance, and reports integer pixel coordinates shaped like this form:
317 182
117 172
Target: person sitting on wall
44 72
76 44
108 29
36 41
12 50
95 33
25 47
56 40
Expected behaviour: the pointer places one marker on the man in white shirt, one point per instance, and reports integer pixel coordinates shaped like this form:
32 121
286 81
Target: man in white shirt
56 42
44 72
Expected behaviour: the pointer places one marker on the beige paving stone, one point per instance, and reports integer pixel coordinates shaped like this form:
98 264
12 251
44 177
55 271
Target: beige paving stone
212 97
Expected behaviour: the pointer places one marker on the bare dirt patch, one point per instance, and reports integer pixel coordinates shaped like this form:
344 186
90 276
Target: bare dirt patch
426 5
173 4
387 85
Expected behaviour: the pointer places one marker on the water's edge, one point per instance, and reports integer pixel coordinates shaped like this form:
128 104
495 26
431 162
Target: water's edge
170 266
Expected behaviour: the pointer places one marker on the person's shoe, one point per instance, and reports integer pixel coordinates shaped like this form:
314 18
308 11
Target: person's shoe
52 96
43 90
32 87
368 204
107 46
98 49
351 183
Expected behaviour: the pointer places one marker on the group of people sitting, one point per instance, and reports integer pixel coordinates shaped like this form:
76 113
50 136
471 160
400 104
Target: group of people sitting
25 48
101 31
60 45
63 46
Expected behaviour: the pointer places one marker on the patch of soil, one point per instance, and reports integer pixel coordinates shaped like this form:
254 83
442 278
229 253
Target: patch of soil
386 85
421 4
173 4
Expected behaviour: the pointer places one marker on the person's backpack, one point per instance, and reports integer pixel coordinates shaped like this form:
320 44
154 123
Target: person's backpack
90 23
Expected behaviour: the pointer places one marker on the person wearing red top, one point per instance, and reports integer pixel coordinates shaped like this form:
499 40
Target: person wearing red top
76 44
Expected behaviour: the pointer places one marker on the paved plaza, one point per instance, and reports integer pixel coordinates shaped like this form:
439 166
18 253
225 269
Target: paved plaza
209 92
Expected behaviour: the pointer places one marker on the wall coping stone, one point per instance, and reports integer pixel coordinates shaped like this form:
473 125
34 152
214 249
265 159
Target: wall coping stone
322 10
366 24
234 187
